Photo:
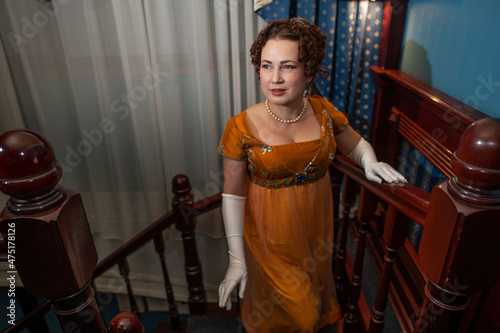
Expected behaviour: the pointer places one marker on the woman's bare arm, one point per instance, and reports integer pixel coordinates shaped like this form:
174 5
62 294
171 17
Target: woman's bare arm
347 140
235 177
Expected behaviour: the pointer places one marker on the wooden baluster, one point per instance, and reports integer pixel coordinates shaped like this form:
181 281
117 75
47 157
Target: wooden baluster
174 314
367 205
340 276
47 227
125 272
396 225
459 246
184 222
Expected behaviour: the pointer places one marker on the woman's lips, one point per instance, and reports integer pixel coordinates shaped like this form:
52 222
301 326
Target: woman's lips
277 92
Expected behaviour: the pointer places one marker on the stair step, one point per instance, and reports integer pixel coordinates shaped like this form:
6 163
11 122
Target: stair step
214 325
205 325
219 325
216 320
165 327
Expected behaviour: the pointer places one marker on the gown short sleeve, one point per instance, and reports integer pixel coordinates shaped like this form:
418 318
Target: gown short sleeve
231 144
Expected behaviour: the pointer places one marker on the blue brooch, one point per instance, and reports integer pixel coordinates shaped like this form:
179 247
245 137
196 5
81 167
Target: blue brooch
305 175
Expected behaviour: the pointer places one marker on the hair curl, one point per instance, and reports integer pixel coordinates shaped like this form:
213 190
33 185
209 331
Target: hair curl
312 43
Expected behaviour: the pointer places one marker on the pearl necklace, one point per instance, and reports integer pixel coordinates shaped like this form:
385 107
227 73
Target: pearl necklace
291 121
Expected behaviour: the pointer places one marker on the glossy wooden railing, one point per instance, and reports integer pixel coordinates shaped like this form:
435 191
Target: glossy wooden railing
55 254
460 220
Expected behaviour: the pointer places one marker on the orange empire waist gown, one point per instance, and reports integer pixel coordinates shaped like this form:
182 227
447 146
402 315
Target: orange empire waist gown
288 226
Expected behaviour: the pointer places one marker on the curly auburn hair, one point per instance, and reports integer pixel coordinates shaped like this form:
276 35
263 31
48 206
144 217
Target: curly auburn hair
312 43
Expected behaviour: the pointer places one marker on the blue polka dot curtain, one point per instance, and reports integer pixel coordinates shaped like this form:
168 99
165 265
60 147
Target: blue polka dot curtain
353 29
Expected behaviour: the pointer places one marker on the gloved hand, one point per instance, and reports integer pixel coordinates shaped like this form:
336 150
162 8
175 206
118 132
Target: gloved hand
364 156
233 207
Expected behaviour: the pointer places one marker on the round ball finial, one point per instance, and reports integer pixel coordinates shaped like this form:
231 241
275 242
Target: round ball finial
126 322
476 162
28 167
181 185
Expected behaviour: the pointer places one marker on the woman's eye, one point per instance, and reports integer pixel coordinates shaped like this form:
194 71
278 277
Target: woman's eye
265 66
289 66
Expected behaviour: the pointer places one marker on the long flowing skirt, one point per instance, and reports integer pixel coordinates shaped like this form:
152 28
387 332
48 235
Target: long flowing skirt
289 248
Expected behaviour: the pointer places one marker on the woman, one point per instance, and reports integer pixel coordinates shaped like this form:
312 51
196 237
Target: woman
277 194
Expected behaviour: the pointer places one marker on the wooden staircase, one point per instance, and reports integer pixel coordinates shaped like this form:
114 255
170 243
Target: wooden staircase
434 290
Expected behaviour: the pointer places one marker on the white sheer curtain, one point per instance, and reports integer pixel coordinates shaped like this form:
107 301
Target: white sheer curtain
130 93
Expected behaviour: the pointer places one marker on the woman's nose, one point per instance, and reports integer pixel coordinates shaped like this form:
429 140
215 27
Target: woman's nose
277 78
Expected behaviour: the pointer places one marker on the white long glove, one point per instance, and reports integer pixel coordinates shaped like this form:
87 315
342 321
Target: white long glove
233 207
364 156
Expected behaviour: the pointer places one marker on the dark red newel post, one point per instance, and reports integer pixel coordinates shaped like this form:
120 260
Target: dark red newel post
185 214
47 232
460 238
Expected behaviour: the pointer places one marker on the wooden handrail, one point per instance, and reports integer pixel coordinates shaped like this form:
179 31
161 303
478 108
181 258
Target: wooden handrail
161 224
408 199
135 243
207 204
453 107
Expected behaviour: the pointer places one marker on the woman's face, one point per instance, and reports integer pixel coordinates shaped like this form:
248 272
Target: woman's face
282 76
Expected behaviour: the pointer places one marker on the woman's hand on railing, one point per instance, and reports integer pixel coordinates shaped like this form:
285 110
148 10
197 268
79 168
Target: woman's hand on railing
378 171
364 156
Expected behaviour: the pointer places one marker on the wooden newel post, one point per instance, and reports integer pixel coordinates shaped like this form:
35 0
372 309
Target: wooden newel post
47 231
185 222
460 239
